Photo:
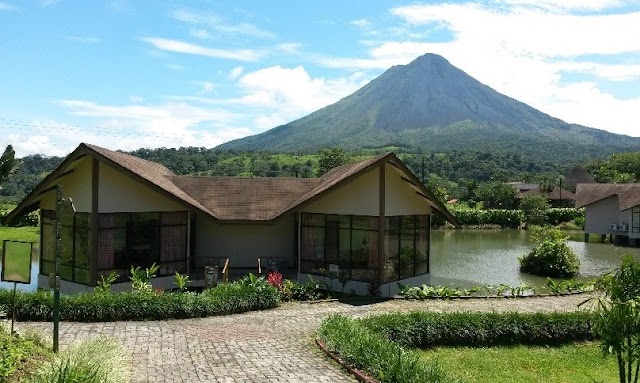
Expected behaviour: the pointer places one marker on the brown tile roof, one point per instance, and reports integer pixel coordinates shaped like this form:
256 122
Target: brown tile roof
227 198
554 195
244 198
628 194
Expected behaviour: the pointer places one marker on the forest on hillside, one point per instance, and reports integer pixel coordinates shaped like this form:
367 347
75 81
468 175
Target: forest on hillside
453 173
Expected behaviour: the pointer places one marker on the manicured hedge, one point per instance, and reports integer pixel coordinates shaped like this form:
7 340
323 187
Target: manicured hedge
507 218
371 352
377 344
555 216
102 307
423 330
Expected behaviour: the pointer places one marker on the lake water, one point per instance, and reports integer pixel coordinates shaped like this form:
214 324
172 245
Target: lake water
480 257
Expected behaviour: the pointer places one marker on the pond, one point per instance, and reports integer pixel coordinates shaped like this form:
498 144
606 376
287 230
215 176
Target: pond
480 257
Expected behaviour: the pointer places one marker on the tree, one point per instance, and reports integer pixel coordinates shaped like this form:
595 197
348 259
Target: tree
617 322
496 195
534 208
626 163
331 158
7 163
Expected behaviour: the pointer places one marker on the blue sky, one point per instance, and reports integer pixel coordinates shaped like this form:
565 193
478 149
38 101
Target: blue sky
129 74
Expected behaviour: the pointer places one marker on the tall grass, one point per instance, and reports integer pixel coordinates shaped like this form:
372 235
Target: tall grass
100 360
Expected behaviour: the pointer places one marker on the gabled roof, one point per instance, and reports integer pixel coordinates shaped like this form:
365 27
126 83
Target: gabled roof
556 194
228 198
628 194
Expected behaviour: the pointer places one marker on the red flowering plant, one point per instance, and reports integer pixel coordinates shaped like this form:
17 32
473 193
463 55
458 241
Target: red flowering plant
275 279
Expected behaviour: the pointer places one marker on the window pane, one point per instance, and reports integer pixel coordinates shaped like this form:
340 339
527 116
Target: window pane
312 244
309 219
422 251
343 221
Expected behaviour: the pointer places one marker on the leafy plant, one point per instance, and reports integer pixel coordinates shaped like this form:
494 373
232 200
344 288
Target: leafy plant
141 279
100 360
534 208
551 256
104 284
181 281
617 320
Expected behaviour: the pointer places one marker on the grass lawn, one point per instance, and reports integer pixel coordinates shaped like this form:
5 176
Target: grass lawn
27 234
523 364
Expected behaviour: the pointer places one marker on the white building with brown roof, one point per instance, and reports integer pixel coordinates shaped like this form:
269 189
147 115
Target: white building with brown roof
610 209
369 220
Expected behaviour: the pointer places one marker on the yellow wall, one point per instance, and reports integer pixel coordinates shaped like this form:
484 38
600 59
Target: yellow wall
401 197
76 185
244 243
120 193
361 196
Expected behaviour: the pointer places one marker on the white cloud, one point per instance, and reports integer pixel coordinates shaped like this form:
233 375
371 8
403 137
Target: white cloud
218 26
236 72
193 49
136 99
567 5
286 94
6 6
289 48
200 34
175 67
362 23
171 124
207 87
48 3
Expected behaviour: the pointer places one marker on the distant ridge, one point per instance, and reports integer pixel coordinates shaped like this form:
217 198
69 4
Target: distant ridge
431 105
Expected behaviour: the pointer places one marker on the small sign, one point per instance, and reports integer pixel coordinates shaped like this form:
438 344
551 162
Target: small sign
210 276
16 261
334 269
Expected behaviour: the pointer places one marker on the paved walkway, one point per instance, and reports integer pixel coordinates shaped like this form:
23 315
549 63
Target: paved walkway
270 346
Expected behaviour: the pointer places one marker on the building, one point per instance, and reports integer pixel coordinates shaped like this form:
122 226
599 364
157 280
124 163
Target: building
610 209
367 221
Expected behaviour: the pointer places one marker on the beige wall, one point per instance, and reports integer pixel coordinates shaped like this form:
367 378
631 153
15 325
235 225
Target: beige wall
244 243
601 214
401 197
358 197
76 185
120 193
361 196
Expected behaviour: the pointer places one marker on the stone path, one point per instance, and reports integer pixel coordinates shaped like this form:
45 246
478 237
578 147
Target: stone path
270 346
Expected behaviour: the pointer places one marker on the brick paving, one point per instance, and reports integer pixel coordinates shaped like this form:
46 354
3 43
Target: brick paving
269 346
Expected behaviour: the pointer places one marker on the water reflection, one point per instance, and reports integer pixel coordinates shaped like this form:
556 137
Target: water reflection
473 257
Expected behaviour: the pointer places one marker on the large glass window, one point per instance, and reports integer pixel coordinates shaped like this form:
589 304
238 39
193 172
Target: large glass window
635 219
141 239
124 239
74 247
351 243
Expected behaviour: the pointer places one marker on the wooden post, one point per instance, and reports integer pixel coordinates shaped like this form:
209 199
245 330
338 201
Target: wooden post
225 271
95 221
381 224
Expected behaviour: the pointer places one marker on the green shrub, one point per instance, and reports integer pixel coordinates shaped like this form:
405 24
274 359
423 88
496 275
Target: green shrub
16 352
534 209
424 329
101 306
371 352
555 216
551 256
100 360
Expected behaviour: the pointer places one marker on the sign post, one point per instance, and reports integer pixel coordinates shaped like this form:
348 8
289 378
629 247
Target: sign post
16 268
65 212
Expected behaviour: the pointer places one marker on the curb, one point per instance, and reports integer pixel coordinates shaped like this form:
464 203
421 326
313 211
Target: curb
360 375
